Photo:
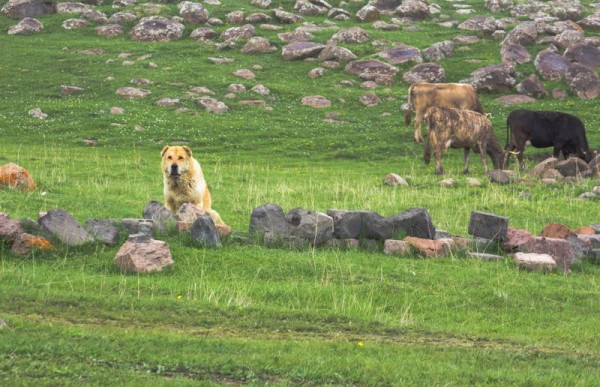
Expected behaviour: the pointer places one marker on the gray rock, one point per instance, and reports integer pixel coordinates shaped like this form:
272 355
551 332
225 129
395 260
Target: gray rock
257 45
372 70
550 65
485 24
492 79
559 249
312 227
311 7
532 87
301 50
368 13
573 166
591 21
287 17
348 224
212 105
439 51
535 261
489 226
542 167
425 72
157 29
524 33
63 226
26 26
104 230
142 254
396 248
401 54
515 53
9 229
204 232
336 53
413 9
138 226
351 35
584 81
415 222
268 223
110 30
238 33
19 9
503 176
485 256
163 219
193 12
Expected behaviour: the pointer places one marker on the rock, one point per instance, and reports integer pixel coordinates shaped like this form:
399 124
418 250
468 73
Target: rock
74 24
301 50
488 226
261 90
396 248
524 33
201 33
142 254
94 15
163 219
394 180
372 70
269 224
168 102
188 212
257 18
37 113
439 51
368 13
401 54
473 182
584 81
542 167
351 35
204 232
447 182
492 79
552 174
138 226
264 4
413 222
110 30
317 72
103 230
429 247
348 224
425 72
287 17
585 230
63 226
132 92
556 230
592 239
559 94
311 7
514 99
503 176
9 229
336 53
70 90
591 21
19 9
309 227
296 36
193 12
238 33
72 7
413 9
244 73
550 65
15 176
26 26
498 5
235 17
515 53
211 105
567 38
369 99
573 166
26 243
157 29
316 101
534 261
515 239
122 18
258 45
532 87
485 24
559 249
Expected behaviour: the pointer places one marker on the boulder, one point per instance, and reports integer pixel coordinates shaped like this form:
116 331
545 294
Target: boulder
257 18
157 29
264 4
429 247
37 113
550 65
413 9
163 219
204 232
492 79
110 30
369 99
238 33
591 21
514 53
309 227
26 26
138 226
104 230
394 179
524 33
211 105
559 249
439 51
532 87
515 239
535 261
257 45
19 9
514 99
485 24
368 13
489 226
573 166
9 229
336 53
301 50
396 248
311 7
193 12
584 81
316 101
287 17
295 36
503 176
400 54
269 224
372 70
142 254
425 72
556 230
26 243
132 92
63 226
542 167
350 35
499 5
15 176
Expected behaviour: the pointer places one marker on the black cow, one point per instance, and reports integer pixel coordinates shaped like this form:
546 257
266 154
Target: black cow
543 129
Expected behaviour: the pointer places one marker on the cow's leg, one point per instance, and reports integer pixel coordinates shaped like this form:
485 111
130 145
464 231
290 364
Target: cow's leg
439 170
510 148
520 158
483 150
467 155
418 118
557 148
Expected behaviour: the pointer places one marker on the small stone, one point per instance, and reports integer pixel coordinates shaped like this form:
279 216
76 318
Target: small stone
396 248
487 225
394 180
535 261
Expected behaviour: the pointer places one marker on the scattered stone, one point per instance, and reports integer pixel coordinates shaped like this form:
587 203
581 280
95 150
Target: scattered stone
193 12
73 24
25 244
550 65
400 54
352 35
244 73
258 45
9 229
37 113
238 33
473 182
369 99
394 180
368 13
138 226
212 105
15 176
110 30
268 223
103 230
157 29
19 9
168 102
425 72
515 53
492 79
503 176
488 226
301 50
372 70
532 87
559 249
413 9
514 99
573 166
132 92
485 256
142 254
204 232
429 247
396 248
309 227
71 90
535 261
584 82
63 226
287 17
163 219
316 101
26 26
515 239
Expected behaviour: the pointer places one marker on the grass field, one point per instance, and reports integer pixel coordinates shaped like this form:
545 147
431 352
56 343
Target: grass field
242 313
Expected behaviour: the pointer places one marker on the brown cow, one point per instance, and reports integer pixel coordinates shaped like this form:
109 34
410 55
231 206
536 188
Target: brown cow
423 95
455 128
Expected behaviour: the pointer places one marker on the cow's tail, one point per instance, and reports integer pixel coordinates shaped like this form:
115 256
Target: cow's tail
507 133
409 108
427 151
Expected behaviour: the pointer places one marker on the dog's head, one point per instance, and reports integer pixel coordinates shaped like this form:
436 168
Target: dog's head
176 160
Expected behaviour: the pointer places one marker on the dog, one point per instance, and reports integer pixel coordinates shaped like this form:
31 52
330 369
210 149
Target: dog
184 182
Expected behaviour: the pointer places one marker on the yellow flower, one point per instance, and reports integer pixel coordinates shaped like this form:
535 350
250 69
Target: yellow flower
179 296
360 344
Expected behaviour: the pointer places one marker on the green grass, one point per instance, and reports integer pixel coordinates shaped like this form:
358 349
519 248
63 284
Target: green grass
247 314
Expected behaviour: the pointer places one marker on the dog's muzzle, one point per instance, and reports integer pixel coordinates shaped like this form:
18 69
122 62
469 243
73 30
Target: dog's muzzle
174 171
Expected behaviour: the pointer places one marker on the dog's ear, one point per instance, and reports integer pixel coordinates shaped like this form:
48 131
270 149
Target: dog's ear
162 153
188 151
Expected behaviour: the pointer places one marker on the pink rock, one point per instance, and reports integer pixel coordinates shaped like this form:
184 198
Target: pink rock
515 238
9 229
142 254
559 249
430 247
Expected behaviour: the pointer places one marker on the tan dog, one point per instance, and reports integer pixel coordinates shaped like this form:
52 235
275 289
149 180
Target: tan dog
184 181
